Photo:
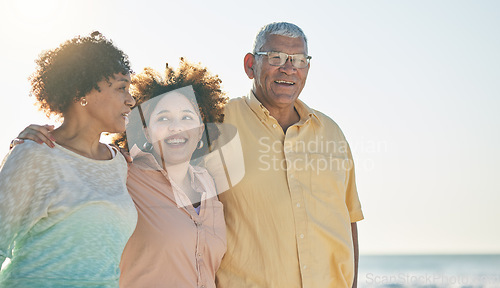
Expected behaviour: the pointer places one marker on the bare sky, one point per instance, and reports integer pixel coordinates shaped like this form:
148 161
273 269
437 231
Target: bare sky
413 84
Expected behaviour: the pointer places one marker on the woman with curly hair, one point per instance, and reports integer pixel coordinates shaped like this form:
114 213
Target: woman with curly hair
65 212
180 236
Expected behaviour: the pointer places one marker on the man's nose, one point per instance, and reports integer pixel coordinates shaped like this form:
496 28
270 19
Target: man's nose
288 67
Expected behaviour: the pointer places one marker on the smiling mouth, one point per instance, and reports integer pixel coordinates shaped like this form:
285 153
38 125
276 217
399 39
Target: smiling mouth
284 82
175 141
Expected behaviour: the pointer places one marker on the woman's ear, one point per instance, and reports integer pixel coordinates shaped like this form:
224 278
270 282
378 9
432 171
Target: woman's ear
202 129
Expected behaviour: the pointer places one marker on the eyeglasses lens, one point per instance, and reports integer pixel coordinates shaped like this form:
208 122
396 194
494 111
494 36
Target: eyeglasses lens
279 59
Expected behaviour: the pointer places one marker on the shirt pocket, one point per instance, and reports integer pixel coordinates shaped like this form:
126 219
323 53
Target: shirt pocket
325 175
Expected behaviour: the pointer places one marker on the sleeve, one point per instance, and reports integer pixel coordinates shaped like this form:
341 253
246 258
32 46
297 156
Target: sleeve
352 200
24 181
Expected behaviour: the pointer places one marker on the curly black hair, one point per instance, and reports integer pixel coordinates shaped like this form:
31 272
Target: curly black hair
149 84
66 74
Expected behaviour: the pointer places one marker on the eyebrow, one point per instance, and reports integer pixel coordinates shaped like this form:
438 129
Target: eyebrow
167 111
304 53
117 80
123 80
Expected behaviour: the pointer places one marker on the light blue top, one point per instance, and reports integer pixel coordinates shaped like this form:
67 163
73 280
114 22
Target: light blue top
64 218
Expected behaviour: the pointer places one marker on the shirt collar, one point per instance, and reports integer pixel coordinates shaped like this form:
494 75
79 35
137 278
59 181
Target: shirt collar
181 199
257 107
305 113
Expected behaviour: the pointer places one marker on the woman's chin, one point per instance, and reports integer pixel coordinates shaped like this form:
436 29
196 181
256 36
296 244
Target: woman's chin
175 162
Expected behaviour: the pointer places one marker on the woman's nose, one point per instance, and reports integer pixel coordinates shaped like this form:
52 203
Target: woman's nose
130 101
175 126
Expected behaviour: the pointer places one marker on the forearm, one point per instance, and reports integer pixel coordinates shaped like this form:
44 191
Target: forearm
354 229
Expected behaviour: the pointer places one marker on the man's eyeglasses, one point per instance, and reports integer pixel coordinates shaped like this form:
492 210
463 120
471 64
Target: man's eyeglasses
279 59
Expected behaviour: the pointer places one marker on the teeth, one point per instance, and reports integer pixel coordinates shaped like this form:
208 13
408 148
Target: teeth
176 141
284 82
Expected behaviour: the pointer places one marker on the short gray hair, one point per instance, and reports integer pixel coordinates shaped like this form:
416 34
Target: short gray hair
277 28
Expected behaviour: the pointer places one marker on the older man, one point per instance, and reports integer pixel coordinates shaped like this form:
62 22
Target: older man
292 219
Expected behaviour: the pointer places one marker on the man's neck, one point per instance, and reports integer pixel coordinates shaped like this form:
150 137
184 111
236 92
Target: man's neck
285 117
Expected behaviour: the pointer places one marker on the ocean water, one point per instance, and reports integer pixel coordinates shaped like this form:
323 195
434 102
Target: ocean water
465 271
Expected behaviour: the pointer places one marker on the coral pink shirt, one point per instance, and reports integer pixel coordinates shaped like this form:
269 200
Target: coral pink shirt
172 246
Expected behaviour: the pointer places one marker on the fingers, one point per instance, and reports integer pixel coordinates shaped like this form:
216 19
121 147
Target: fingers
39 134
16 141
50 128
126 154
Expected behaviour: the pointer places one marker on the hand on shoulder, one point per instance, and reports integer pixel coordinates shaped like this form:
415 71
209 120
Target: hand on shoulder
39 134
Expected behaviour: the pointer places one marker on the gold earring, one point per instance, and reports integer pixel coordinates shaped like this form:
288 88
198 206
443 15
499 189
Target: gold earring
83 102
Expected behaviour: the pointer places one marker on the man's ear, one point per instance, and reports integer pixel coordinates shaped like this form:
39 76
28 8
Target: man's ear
249 64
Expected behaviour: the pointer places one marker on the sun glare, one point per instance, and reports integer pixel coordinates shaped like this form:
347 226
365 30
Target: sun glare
33 10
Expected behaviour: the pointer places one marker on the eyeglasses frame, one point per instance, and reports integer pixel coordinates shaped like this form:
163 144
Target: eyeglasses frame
288 56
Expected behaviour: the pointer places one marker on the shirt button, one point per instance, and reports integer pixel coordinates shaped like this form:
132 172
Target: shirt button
199 254
301 236
298 205
275 125
305 267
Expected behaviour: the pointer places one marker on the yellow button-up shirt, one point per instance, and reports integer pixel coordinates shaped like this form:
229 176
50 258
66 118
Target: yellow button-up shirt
289 219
